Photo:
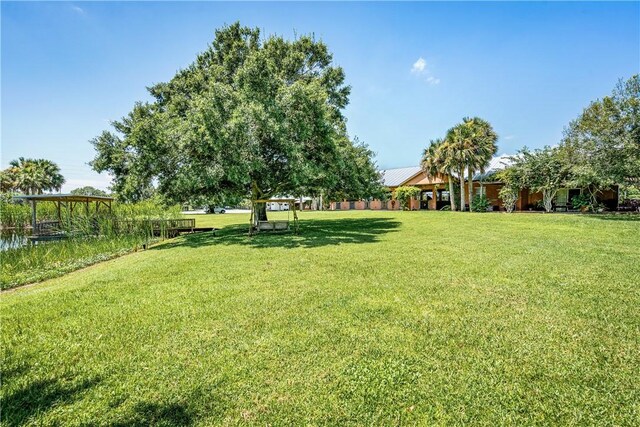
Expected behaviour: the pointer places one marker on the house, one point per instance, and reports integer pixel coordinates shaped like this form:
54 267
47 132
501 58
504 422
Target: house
435 194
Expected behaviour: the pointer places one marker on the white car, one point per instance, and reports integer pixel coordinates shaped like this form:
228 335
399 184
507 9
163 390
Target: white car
216 209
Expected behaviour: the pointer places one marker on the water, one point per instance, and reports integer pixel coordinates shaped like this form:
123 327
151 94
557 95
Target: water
13 239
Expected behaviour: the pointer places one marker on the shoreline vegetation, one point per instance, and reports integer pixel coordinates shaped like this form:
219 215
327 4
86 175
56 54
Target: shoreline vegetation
21 267
86 240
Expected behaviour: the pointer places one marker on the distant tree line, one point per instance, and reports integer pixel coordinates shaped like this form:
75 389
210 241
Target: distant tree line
89 191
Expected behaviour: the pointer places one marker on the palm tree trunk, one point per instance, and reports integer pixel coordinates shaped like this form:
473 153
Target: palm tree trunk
470 174
462 191
452 198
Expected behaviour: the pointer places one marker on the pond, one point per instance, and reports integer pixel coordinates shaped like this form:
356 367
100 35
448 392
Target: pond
13 239
16 238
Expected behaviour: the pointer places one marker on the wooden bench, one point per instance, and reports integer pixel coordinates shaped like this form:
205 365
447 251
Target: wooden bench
280 225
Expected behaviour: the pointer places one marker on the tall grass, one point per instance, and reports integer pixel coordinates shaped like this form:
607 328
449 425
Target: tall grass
18 214
88 239
36 262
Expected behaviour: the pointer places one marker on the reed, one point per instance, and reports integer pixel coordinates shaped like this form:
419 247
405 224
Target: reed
88 239
36 262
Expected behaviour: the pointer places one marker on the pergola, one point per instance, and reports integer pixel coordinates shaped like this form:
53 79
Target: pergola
68 201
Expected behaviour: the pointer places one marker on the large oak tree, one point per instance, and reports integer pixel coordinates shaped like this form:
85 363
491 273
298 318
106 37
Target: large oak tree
251 117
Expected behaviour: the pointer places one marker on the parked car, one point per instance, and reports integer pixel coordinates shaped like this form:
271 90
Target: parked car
216 209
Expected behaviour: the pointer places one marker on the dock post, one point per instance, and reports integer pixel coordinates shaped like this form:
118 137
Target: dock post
33 216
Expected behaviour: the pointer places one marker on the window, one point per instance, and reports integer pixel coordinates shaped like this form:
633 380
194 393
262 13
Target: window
443 196
481 191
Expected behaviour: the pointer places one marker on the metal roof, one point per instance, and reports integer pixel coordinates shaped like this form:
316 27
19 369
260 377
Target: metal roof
395 177
62 197
497 164
398 176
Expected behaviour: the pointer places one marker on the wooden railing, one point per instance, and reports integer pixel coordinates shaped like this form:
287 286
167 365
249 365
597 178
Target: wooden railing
158 227
47 228
183 223
173 224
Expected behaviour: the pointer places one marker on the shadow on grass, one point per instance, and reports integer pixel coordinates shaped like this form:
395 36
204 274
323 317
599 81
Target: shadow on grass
148 413
38 397
313 233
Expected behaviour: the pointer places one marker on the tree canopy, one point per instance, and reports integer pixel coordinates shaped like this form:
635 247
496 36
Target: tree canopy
602 146
251 117
541 170
468 146
31 176
89 191
600 149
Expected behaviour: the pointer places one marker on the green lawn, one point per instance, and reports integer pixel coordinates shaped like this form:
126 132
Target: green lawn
364 318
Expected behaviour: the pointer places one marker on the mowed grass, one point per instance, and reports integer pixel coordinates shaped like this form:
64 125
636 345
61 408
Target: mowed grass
383 318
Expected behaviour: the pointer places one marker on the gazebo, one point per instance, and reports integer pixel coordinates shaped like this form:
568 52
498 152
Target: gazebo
69 202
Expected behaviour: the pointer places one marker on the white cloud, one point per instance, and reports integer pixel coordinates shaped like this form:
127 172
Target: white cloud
419 66
508 137
78 9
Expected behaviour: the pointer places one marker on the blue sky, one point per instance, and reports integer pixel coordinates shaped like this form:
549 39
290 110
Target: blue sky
415 68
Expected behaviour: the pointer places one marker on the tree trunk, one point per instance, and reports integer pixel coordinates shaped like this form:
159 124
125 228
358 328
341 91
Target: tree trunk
470 185
593 197
452 197
547 199
259 209
462 191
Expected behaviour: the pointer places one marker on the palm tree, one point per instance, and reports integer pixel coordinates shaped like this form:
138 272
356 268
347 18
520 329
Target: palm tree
35 176
449 164
459 154
436 160
53 179
7 180
479 147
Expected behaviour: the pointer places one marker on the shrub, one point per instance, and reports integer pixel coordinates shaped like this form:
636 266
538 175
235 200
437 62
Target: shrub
480 203
581 201
509 197
406 193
